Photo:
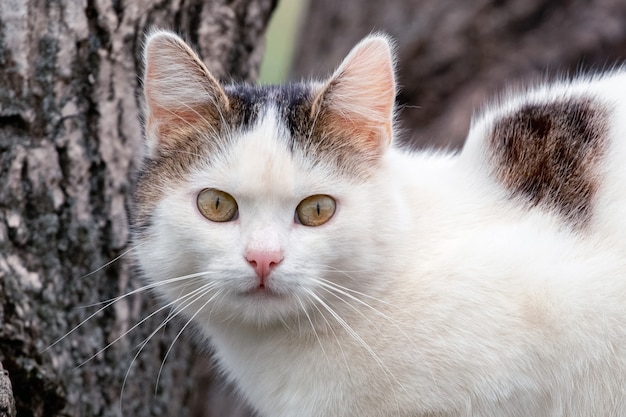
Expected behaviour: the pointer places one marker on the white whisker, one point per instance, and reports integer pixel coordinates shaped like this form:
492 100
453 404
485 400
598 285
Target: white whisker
345 325
334 334
150 286
168 305
350 290
202 291
388 374
335 289
312 325
183 329
116 299
329 287
126 252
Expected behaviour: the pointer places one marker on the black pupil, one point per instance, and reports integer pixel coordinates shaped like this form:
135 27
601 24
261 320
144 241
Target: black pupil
318 208
217 203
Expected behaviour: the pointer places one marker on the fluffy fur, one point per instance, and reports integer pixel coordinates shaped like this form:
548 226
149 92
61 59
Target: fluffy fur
486 283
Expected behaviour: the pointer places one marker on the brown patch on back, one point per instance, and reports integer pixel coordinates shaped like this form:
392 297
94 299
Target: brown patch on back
547 154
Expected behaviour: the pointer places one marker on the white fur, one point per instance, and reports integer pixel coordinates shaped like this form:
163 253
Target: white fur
463 303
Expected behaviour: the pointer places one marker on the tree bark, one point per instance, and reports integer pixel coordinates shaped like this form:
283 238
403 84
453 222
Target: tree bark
7 402
70 139
453 55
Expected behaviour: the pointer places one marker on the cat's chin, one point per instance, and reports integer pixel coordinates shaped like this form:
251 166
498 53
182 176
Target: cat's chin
262 306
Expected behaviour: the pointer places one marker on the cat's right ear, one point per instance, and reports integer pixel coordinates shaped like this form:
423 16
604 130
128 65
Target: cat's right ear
181 95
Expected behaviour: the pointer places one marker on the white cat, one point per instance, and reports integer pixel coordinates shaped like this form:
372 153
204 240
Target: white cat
338 275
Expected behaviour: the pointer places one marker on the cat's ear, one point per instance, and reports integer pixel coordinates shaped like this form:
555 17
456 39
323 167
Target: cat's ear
181 95
358 99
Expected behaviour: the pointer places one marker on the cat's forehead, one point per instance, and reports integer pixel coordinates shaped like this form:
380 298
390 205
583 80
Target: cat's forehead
260 156
309 136
262 160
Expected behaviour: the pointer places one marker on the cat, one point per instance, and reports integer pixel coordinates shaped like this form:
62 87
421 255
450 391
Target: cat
337 273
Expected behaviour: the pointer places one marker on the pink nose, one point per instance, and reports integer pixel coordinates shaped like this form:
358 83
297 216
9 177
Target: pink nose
263 263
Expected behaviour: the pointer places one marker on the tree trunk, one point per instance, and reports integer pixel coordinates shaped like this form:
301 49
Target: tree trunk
454 54
70 138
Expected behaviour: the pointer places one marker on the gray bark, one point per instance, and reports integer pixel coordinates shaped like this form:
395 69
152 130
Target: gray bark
70 138
7 402
453 55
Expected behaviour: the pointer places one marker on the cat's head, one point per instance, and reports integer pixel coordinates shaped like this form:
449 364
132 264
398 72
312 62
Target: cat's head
256 203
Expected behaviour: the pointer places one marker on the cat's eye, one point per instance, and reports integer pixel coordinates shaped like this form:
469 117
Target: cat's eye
217 205
315 210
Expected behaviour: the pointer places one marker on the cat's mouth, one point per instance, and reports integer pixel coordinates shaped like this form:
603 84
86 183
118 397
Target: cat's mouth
263 291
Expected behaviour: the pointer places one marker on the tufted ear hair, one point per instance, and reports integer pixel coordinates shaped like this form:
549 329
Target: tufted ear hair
180 93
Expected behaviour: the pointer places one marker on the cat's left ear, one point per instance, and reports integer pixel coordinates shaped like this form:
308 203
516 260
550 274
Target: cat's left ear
358 99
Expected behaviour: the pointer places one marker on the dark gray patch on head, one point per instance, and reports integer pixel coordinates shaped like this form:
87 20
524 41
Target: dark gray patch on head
311 135
548 154
291 101
247 102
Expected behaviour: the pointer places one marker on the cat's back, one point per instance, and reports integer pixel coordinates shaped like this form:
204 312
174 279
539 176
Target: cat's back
520 239
534 206
540 183
550 160
559 148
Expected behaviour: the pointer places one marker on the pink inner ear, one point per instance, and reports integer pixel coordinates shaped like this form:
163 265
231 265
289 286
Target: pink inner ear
359 98
362 133
169 124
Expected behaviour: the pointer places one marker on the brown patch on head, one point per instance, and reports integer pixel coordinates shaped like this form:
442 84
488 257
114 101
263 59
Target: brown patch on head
312 135
547 154
188 115
354 145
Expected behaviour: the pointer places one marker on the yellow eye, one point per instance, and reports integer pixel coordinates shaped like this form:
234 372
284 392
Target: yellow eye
217 205
315 210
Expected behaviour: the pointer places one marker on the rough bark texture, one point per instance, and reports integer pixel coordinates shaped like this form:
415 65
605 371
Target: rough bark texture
454 55
7 402
70 138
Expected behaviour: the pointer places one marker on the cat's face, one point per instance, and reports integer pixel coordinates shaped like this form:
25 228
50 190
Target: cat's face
259 203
